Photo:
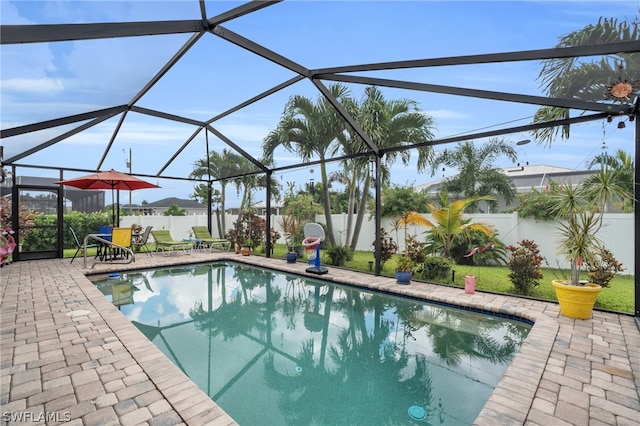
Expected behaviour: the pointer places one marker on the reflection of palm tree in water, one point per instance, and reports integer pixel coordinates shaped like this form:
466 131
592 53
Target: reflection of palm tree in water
235 318
367 369
454 344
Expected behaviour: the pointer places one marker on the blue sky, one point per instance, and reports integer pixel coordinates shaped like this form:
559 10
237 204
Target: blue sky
46 81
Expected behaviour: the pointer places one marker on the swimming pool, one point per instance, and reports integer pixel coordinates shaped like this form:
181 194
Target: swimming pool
272 348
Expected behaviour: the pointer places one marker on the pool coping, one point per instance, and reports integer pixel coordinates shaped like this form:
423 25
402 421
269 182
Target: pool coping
547 381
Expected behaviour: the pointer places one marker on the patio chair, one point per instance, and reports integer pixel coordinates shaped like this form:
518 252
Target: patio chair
120 237
80 245
202 233
141 241
105 233
166 244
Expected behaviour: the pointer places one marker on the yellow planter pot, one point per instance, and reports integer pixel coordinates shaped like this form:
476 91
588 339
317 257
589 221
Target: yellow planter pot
576 301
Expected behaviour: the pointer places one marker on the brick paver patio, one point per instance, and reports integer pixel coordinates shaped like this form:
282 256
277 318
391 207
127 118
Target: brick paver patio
69 357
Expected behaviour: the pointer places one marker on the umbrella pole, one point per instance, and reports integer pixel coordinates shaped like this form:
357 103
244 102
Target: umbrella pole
113 206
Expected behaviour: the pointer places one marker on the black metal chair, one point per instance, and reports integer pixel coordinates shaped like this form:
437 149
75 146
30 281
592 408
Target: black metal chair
141 240
80 245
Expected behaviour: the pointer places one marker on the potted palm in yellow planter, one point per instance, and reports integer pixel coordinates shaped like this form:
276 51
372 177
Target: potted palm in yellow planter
579 245
581 209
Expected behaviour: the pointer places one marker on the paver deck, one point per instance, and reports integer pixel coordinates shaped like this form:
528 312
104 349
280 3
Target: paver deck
68 356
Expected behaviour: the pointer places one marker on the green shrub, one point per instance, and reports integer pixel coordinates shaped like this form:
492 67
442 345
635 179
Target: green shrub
338 255
83 224
434 267
538 204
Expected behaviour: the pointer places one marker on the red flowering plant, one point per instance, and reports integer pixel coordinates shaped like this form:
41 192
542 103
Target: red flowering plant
524 263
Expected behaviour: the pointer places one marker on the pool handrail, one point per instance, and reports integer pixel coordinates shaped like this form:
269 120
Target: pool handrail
100 239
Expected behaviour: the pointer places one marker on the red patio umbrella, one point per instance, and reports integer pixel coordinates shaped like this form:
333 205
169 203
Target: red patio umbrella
109 180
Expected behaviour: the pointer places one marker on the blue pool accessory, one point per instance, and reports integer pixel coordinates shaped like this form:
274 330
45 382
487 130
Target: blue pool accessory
114 275
417 413
298 369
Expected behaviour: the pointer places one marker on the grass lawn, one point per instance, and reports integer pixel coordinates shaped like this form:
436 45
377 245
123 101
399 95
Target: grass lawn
618 297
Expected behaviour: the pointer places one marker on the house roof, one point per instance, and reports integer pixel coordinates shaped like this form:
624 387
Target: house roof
526 176
180 202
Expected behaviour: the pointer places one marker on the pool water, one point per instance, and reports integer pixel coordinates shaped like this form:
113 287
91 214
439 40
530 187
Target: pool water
278 349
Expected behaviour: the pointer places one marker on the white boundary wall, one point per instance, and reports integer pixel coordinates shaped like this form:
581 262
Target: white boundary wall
617 232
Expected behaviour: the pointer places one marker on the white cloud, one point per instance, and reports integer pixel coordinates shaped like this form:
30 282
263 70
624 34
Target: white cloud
40 86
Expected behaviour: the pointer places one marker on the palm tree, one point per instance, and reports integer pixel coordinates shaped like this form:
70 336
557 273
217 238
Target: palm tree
217 166
389 124
584 78
477 174
616 171
309 129
450 225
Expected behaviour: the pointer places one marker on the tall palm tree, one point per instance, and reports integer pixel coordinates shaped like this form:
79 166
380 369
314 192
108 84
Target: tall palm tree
310 129
585 78
478 175
389 124
449 223
217 166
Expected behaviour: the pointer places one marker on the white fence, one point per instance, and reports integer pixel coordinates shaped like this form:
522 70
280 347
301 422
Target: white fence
617 232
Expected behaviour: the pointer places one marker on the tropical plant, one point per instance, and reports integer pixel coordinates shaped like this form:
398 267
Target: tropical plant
435 267
478 175
415 249
338 254
623 167
388 247
310 129
604 188
584 77
404 264
292 228
389 124
538 204
403 222
603 268
524 263
175 210
219 165
577 239
450 225
396 200
248 230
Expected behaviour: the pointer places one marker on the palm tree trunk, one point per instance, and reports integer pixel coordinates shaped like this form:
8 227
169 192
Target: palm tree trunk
361 210
575 273
352 197
223 229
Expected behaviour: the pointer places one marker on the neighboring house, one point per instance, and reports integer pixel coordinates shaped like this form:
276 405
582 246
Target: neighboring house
157 208
525 178
81 200
259 208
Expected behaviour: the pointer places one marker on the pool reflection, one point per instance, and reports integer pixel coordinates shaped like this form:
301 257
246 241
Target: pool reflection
301 351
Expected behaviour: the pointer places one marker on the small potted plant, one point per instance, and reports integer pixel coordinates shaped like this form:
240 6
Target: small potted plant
404 269
246 247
